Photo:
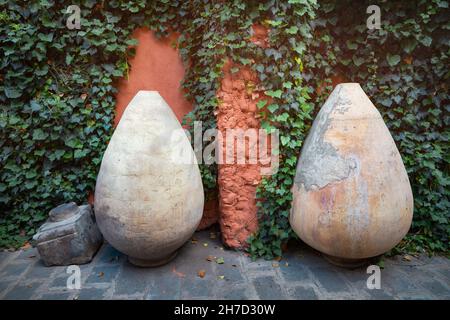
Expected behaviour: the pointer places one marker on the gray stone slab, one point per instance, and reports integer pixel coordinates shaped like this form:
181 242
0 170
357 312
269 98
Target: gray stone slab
39 271
15 269
232 291
59 282
294 271
267 288
307 276
55 296
379 294
168 287
109 255
304 293
91 294
21 292
330 280
133 280
28 254
103 274
4 285
197 287
229 272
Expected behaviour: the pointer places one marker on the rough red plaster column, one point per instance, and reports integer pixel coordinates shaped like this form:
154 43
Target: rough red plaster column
237 182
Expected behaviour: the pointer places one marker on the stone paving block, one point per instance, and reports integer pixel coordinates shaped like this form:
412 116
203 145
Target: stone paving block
232 291
398 281
21 292
103 274
189 261
168 287
109 255
5 256
132 280
15 269
91 294
229 272
304 293
4 285
330 280
307 276
259 265
27 254
39 271
379 294
268 288
444 272
439 289
55 296
294 271
59 282
197 287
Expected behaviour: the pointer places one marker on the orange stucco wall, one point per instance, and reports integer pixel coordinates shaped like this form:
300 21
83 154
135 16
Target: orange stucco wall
156 66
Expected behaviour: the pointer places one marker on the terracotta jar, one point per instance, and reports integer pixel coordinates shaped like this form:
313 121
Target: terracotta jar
351 196
149 193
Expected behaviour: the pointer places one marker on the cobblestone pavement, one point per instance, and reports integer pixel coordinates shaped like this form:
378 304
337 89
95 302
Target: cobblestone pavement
301 274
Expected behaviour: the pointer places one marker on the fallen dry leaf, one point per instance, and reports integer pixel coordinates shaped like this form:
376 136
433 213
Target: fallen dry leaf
275 264
212 235
201 273
179 274
26 245
101 274
407 257
220 277
210 258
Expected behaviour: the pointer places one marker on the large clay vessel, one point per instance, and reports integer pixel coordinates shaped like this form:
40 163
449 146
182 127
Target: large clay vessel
351 196
148 201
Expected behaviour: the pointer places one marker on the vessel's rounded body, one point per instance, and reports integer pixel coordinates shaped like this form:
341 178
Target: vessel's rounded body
148 200
351 198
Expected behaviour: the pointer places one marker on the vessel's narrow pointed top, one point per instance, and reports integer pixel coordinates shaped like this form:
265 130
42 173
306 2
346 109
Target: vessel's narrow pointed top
349 101
148 94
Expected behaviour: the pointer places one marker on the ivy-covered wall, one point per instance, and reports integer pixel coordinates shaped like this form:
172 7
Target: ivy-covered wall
57 93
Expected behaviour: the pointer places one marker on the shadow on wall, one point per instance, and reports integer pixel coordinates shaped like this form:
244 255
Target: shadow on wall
157 66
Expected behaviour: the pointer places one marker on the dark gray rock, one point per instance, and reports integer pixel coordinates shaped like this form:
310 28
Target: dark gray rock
70 236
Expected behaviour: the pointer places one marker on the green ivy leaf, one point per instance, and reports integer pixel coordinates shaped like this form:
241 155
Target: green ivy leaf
393 60
12 93
274 94
38 134
261 103
273 107
292 30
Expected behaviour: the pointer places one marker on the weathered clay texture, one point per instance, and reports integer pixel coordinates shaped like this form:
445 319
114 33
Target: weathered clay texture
351 197
147 201
237 182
